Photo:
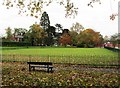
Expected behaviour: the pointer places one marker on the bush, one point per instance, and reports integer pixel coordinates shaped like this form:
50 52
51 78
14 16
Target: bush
81 45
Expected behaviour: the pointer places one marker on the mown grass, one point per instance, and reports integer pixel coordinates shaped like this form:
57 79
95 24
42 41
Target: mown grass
61 55
57 51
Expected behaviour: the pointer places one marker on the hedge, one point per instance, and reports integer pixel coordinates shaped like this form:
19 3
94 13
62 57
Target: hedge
113 49
16 43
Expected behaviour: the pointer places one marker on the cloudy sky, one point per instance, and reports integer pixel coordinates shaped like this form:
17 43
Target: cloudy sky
96 18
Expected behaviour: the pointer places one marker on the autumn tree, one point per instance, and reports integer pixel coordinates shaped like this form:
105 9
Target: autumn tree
37 34
88 38
65 39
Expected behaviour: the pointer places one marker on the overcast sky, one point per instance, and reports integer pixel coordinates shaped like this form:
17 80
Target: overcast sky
96 18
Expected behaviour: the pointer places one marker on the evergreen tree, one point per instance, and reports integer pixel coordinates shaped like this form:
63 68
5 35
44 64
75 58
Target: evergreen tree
44 21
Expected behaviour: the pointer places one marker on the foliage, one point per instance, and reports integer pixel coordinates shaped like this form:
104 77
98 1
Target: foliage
112 17
9 33
65 39
73 35
17 74
44 21
89 38
37 34
59 28
12 43
20 32
35 7
64 75
51 34
77 27
47 35
115 39
106 39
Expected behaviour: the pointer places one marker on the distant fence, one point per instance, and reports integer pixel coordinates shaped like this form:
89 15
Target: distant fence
103 59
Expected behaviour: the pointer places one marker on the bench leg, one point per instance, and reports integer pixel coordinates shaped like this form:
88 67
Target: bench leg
51 70
29 67
33 68
48 70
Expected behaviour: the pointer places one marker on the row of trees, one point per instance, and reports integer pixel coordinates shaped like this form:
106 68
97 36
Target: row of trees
47 35
81 38
38 36
113 41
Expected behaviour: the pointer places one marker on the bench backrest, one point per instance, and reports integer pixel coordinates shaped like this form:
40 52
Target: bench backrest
40 63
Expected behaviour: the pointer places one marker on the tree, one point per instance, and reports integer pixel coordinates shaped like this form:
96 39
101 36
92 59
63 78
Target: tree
65 39
89 38
44 21
51 30
106 39
19 34
9 33
51 34
115 39
73 35
65 31
101 40
59 28
77 27
37 34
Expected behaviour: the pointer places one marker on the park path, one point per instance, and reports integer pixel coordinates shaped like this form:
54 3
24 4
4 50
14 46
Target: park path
87 68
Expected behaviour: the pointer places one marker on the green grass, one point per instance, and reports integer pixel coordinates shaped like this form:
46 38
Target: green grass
60 55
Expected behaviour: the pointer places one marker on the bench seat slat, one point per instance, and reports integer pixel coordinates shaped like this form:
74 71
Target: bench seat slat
40 63
42 66
33 65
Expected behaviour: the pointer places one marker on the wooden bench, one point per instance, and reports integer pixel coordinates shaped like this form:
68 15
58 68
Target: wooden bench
33 65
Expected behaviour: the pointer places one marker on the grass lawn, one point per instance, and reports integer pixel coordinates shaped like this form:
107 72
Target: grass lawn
60 55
